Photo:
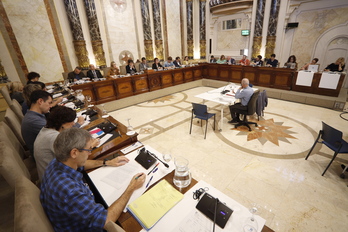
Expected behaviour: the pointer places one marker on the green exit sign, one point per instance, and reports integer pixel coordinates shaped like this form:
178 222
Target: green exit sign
245 32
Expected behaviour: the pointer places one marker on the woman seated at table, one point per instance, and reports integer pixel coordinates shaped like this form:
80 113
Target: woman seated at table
222 60
16 91
338 66
186 61
291 63
156 64
314 61
59 119
113 70
130 68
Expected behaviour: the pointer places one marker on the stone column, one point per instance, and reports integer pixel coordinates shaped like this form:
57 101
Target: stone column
146 29
158 29
272 28
76 30
202 36
93 25
189 20
257 40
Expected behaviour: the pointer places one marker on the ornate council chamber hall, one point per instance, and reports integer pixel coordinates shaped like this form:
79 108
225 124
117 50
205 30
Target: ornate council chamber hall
267 165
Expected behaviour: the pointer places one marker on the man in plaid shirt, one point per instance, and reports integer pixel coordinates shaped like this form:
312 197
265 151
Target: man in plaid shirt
67 201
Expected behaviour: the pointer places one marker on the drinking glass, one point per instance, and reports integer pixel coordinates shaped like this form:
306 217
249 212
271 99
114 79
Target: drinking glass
167 157
250 224
103 111
89 99
130 130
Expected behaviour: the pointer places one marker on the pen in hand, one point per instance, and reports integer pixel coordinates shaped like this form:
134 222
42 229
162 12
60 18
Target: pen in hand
149 182
138 176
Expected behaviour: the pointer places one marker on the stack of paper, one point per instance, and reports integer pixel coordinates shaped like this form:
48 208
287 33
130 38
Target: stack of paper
149 208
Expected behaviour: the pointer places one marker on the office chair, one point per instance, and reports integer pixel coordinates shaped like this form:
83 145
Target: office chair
332 138
251 109
200 111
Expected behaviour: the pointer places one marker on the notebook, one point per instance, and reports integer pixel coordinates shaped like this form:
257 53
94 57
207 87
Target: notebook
150 207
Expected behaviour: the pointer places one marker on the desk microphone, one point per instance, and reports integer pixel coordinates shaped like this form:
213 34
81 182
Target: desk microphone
225 90
165 164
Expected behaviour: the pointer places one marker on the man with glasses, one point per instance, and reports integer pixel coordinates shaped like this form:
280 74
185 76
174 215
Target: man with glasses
67 201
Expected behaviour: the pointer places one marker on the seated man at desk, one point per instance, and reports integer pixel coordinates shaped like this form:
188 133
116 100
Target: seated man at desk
93 73
76 74
273 62
169 63
177 62
244 93
69 204
130 68
143 64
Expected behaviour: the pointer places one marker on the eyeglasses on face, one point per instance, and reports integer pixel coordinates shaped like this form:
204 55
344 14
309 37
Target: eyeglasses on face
89 150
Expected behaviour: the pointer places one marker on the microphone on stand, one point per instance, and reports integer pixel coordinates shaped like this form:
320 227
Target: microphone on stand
225 90
165 164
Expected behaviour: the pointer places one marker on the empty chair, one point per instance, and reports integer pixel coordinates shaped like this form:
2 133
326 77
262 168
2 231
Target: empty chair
29 213
251 109
332 138
201 111
13 122
17 109
6 94
7 135
11 165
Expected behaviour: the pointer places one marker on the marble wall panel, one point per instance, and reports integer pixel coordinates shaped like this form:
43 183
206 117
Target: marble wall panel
31 26
312 24
173 28
231 40
121 30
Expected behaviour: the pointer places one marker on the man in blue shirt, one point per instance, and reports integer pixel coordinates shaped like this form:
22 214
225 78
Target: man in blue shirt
244 93
273 62
169 63
68 202
34 119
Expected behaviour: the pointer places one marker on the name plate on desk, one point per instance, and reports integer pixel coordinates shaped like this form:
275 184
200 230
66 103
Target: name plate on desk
329 80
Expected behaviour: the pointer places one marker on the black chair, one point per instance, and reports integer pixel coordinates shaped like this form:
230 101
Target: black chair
332 138
200 111
251 109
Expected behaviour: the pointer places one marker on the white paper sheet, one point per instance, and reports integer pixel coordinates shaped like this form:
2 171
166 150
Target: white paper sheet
329 80
304 78
111 193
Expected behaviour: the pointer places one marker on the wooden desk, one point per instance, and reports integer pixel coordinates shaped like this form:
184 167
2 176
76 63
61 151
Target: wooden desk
115 144
130 224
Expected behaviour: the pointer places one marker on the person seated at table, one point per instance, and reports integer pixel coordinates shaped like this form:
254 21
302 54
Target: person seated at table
169 63
68 203
59 119
186 61
130 68
258 61
244 61
76 74
244 93
313 62
143 64
222 60
16 91
212 59
177 62
34 119
156 64
33 78
113 70
338 66
273 62
94 74
291 62
230 60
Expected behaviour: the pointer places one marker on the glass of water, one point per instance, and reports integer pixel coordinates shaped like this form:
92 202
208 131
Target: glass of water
182 175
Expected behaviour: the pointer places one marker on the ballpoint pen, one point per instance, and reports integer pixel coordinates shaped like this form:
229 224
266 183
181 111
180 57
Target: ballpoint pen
149 182
153 169
138 176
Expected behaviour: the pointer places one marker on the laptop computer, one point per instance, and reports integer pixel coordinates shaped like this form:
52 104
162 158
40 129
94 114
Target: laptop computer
313 67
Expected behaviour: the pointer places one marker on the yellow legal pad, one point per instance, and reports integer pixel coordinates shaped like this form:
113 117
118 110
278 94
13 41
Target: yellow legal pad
150 207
